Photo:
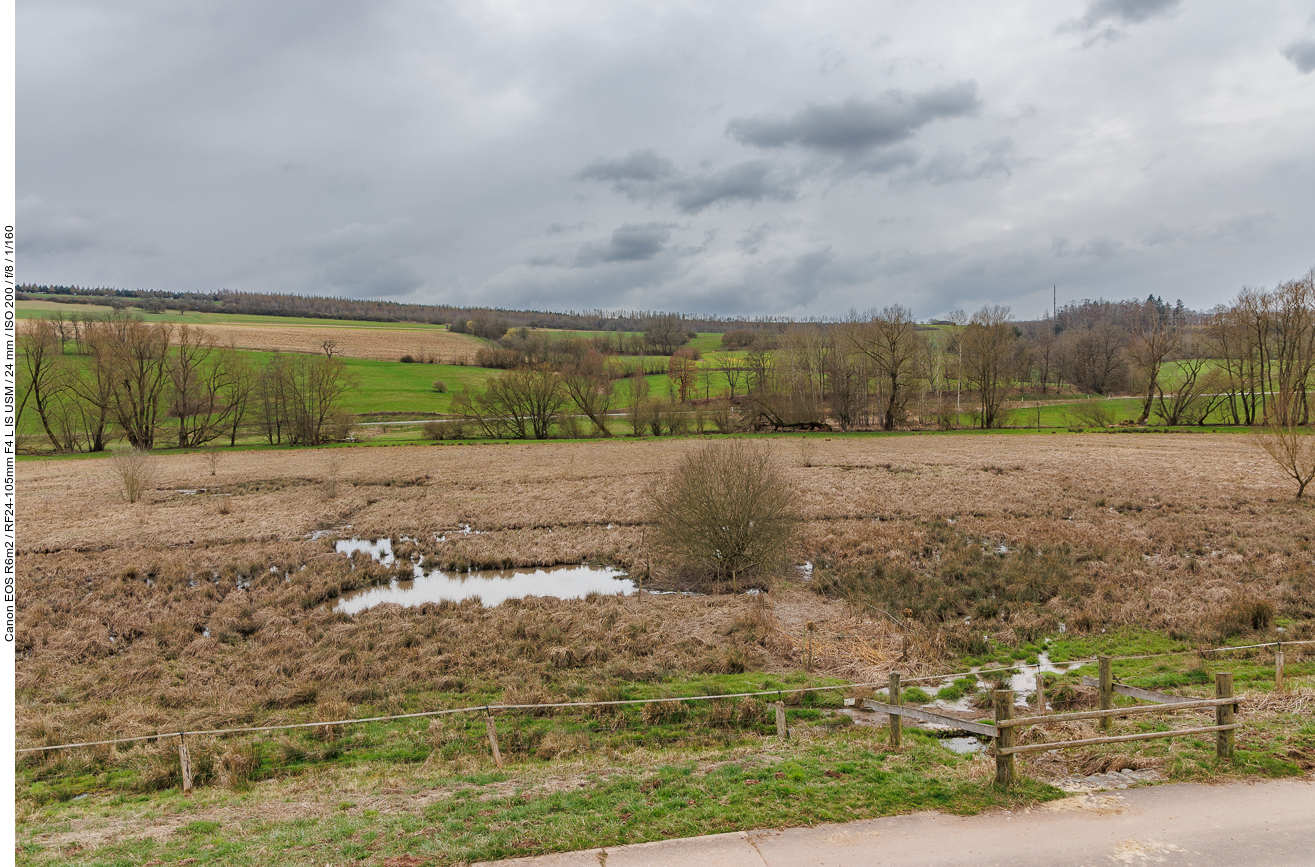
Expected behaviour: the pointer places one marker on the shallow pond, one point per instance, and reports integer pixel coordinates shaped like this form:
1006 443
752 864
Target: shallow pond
490 586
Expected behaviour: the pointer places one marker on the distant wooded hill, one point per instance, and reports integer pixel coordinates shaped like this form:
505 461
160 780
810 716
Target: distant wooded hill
321 307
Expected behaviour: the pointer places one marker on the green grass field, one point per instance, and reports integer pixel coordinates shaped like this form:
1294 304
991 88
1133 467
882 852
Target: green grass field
390 387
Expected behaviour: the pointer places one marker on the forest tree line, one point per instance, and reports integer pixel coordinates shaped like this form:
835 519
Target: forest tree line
1248 362
489 322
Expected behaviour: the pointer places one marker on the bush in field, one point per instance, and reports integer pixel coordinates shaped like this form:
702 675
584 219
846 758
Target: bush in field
440 386
724 516
136 472
449 429
1091 413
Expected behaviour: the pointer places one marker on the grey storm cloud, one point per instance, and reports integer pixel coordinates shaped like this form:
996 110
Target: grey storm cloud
1302 55
646 175
951 167
755 159
859 124
630 242
1108 19
363 260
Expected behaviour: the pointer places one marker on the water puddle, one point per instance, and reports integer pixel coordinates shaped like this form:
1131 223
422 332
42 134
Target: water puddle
1023 683
963 746
379 549
491 587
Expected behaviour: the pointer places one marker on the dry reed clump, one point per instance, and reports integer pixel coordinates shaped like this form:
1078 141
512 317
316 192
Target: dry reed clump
236 766
662 712
559 744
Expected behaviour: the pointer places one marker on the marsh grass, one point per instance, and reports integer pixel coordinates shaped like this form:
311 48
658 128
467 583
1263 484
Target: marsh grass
117 600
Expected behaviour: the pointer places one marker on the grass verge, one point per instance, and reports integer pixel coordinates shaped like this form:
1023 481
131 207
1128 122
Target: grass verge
438 817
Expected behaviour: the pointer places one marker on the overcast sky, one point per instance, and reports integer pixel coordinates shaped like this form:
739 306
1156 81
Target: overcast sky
712 157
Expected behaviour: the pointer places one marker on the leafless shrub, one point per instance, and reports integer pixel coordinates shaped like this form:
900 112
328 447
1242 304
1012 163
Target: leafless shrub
723 416
1090 413
724 515
444 429
332 474
136 472
212 456
1293 450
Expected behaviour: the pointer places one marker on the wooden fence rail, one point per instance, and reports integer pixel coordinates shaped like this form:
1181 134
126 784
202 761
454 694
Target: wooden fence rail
1004 733
1224 704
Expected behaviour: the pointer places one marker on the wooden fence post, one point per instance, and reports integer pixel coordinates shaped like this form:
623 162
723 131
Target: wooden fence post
1278 665
185 764
1224 715
1040 691
493 739
1004 710
895 721
781 730
1106 689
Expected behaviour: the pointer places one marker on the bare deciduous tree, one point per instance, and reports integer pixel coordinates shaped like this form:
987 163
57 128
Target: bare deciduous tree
41 370
989 345
1155 337
890 339
137 356
518 404
590 387
1293 451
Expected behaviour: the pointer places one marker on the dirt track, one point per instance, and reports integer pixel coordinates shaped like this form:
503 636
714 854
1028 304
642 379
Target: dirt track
1269 824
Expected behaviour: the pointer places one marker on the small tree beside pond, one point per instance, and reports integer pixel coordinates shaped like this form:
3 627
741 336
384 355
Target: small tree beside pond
724 518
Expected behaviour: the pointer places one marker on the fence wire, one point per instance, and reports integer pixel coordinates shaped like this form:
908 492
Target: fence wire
489 708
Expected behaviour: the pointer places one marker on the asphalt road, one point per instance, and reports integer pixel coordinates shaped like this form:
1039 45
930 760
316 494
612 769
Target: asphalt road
1265 824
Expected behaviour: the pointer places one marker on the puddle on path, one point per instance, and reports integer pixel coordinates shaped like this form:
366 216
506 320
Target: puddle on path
963 746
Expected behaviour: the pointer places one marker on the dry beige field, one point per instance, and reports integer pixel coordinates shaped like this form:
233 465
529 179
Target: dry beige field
380 344
116 599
